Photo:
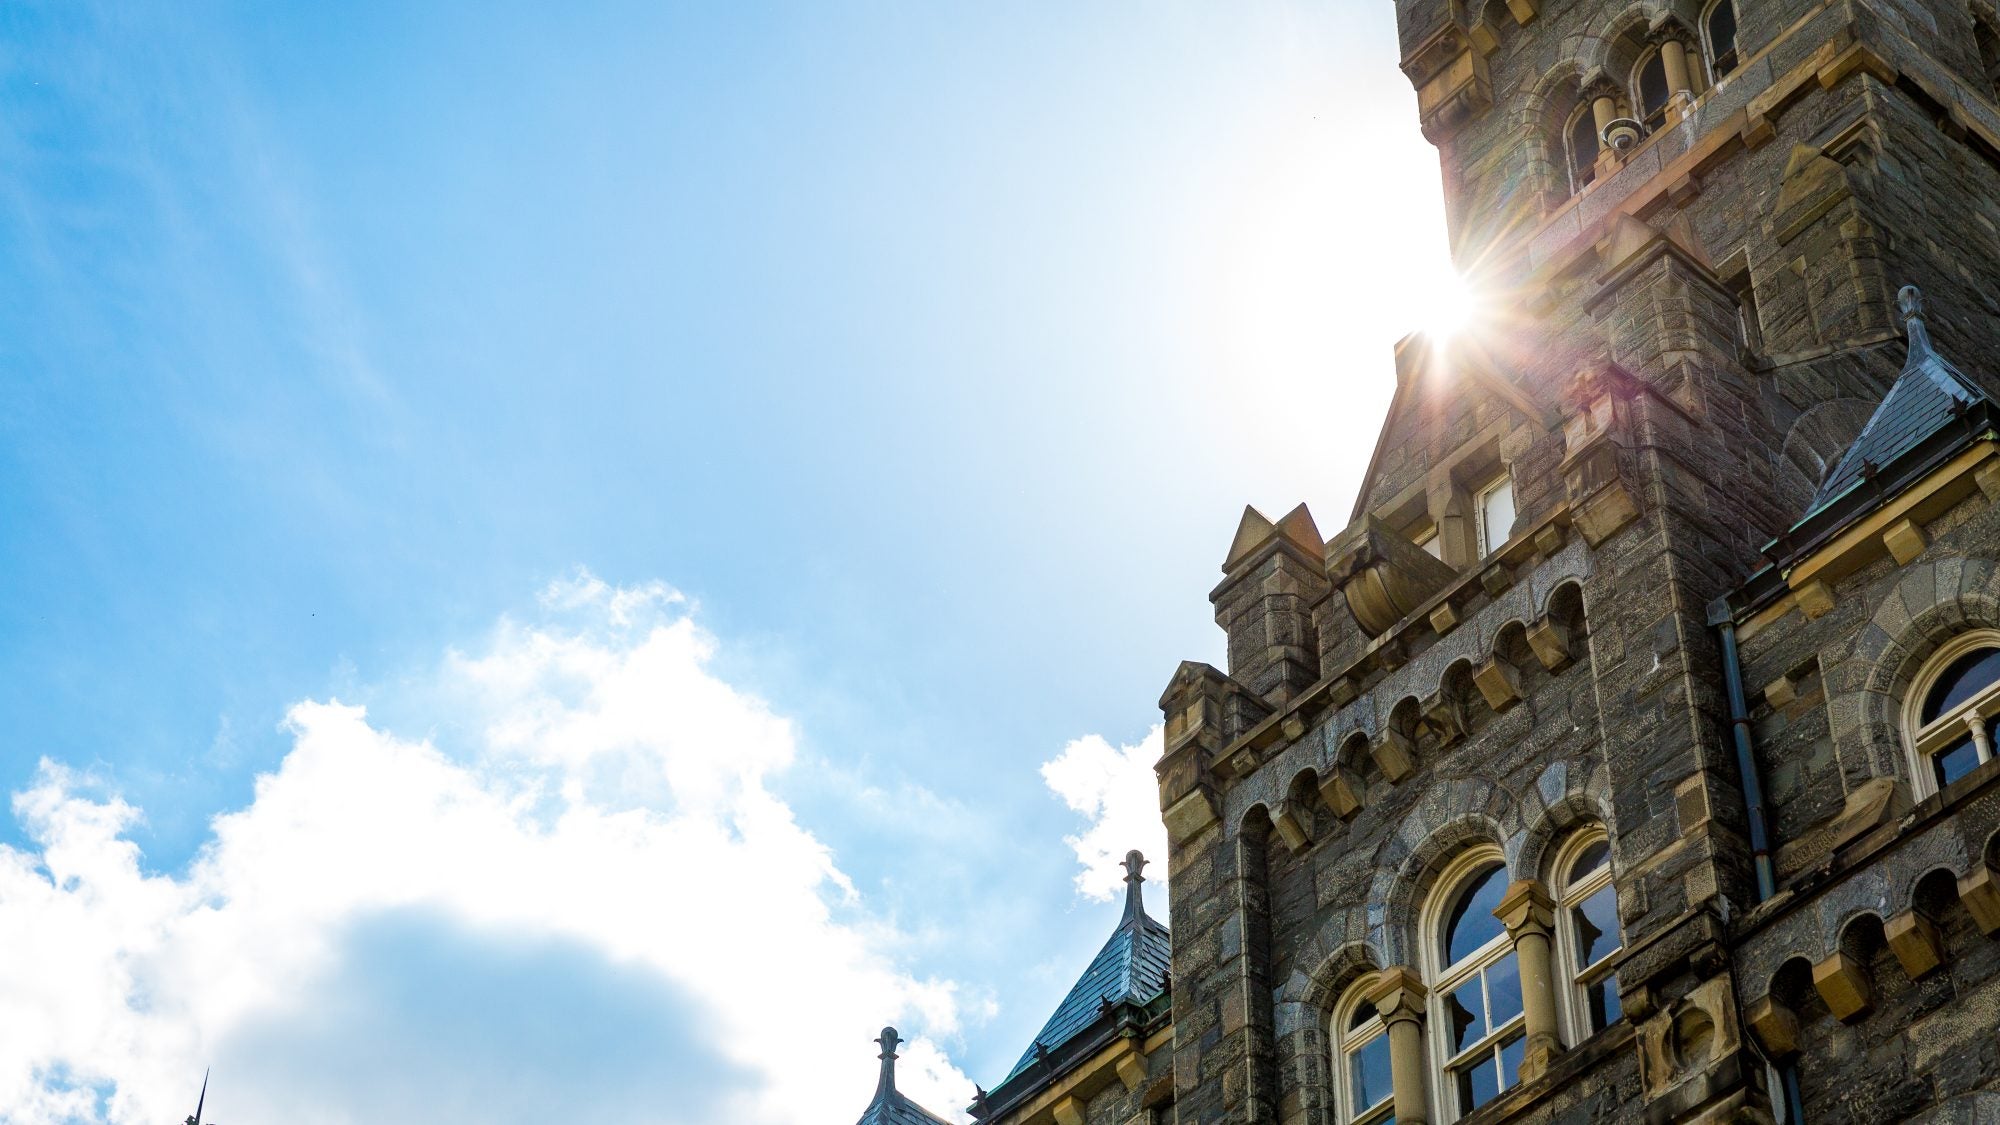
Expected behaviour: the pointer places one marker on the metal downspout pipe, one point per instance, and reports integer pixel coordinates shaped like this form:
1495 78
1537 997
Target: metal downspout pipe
1723 618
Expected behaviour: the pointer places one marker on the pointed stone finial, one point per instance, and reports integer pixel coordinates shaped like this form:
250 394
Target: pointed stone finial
1135 899
1911 300
889 1041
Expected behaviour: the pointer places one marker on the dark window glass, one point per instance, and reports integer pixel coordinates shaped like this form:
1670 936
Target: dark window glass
1653 90
1602 996
1596 926
1363 1012
1722 37
1582 150
1467 1012
1471 923
1372 1081
1503 990
1478 1084
1510 1060
1968 676
1956 762
1595 856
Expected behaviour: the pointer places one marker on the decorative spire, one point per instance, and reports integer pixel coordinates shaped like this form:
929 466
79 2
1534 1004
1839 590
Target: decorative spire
887 1084
1911 300
1135 899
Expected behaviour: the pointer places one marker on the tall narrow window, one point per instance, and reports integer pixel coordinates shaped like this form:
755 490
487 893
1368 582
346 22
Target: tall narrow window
1581 140
1496 513
1950 724
1720 28
1649 88
1361 1074
1748 333
1477 1028
1587 937
1988 44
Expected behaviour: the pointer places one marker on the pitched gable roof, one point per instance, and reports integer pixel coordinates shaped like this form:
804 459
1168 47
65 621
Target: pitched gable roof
1928 395
890 1107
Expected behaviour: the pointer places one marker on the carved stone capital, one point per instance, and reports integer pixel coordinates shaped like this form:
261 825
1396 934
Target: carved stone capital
1527 909
1398 993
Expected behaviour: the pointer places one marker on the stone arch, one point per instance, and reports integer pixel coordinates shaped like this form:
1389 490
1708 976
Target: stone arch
1579 800
1541 121
1333 973
1565 605
1614 49
1933 602
1457 814
1305 1003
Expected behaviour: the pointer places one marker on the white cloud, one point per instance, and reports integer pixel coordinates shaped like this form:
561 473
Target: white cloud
610 799
1113 787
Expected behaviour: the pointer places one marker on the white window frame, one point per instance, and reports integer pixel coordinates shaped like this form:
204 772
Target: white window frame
1442 979
1487 543
1349 1042
1578 978
1975 716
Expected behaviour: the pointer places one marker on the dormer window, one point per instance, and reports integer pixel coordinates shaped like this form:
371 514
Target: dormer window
1495 505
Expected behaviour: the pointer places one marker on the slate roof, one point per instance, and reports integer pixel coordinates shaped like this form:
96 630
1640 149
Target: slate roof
1929 394
1131 968
890 1107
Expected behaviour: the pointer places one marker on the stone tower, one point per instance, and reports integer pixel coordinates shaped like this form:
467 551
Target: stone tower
1627 755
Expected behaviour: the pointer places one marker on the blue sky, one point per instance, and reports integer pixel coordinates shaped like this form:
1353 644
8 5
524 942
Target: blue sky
908 366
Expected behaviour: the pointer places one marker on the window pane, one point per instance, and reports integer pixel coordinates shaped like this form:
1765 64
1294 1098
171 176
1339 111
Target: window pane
1966 677
1363 1012
1370 1072
1471 923
1602 999
1496 514
1503 990
1955 762
1466 1012
1596 926
1595 856
1722 37
1582 149
1478 1083
1652 87
1510 1059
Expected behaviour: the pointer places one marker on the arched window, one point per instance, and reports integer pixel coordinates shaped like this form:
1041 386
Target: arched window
1361 1079
1948 717
1476 1024
1718 26
1649 90
1580 145
1587 932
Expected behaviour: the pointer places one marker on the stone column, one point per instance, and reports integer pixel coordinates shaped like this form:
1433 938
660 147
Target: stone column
1399 995
1529 915
1981 738
1673 54
1602 111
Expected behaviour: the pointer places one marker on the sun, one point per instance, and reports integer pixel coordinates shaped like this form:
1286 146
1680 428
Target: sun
1451 307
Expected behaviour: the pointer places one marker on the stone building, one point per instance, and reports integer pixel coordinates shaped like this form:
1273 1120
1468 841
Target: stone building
1626 755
